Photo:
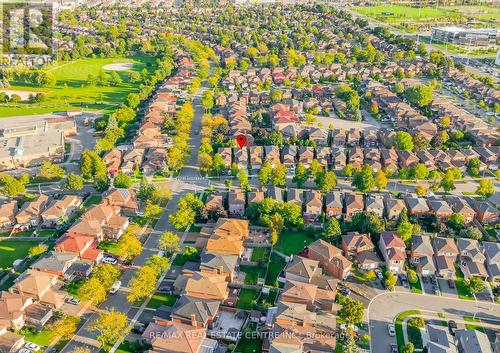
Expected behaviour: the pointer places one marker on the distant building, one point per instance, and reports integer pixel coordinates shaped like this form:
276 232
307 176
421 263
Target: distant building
476 37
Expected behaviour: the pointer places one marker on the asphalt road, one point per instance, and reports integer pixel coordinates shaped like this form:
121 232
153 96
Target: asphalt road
383 309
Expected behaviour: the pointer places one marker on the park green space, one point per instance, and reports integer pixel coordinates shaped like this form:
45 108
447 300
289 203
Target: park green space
13 250
399 13
72 92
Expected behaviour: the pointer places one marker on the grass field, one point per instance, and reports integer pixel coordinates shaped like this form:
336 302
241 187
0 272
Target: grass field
71 91
276 265
291 243
13 250
260 254
246 298
400 13
398 325
252 273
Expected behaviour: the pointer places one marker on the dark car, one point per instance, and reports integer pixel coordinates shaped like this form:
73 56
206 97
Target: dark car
452 326
451 283
394 348
345 290
138 328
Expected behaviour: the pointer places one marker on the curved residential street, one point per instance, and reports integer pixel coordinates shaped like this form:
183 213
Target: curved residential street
384 308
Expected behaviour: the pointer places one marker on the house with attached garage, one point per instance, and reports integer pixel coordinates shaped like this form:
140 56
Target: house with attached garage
195 311
330 258
445 253
30 213
421 255
471 258
314 297
8 212
334 204
393 208
60 210
492 253
393 249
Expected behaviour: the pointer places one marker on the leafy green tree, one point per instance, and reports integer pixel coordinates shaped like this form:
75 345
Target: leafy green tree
473 166
207 100
278 175
92 290
291 214
408 348
457 221
275 224
123 181
50 171
110 326
301 175
390 279
368 222
420 171
475 285
332 231
65 327
448 181
128 246
348 170
265 173
326 180
169 242
242 178
412 276
380 180
485 188
37 250
10 186
404 141
363 180
142 285
218 165
352 310
133 100
74 182
420 95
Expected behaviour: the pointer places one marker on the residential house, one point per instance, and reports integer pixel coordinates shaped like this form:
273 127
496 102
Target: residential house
472 341
132 160
275 193
195 311
236 202
302 269
12 307
59 211
460 206
393 208
294 314
330 258
8 212
407 159
445 253
10 342
214 202
225 153
219 264
30 213
492 253
55 263
417 206
375 204
240 157
175 337
227 237
83 246
306 156
313 206
393 249
295 196
334 204
354 243
353 204
272 155
440 340
255 196
113 160
485 213
339 158
311 295
290 155
205 286
38 285
256 157
126 199
471 258
421 255
440 208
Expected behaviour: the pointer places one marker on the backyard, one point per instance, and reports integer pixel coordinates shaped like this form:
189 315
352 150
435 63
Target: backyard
249 342
71 89
252 273
13 250
291 243
275 266
246 299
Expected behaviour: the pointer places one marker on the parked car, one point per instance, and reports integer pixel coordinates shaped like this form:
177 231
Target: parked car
345 290
451 283
115 287
452 326
30 345
73 301
392 330
25 350
109 260
138 328
394 348
379 274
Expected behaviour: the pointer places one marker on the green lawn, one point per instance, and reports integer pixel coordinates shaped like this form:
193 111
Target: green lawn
109 246
401 13
462 290
158 299
13 250
291 243
416 287
73 287
92 200
472 326
276 265
249 343
246 298
71 90
252 273
399 325
42 338
260 254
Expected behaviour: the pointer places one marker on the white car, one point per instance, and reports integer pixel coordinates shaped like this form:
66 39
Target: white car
109 260
392 330
24 350
115 287
72 301
30 345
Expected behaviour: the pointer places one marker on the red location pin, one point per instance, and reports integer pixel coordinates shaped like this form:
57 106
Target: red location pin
241 139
